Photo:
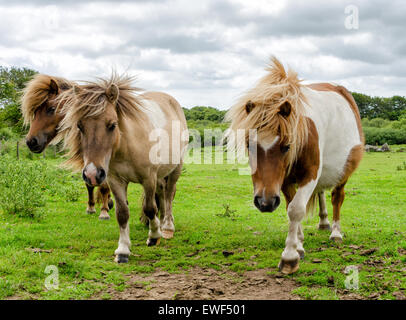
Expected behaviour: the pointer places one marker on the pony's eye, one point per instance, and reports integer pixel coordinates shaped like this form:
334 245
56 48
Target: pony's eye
51 111
111 126
285 149
80 127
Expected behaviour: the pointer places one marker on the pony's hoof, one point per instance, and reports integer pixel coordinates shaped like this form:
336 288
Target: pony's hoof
111 204
104 216
153 242
301 254
90 211
324 227
288 267
121 258
167 234
337 239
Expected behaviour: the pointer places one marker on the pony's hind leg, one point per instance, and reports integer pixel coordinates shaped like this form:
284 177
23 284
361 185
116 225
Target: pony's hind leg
119 190
106 201
337 198
150 210
324 224
168 226
90 203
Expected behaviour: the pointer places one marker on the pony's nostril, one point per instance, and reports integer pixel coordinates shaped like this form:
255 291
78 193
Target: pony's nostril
276 201
257 201
101 175
33 142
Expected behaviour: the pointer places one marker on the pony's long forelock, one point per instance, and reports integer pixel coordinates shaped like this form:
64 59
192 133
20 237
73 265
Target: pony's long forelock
90 100
36 92
274 89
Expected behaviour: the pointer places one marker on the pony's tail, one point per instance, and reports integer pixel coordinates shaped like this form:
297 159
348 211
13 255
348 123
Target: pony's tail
311 204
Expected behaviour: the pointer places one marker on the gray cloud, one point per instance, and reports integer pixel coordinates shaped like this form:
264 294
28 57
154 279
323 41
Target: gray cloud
210 50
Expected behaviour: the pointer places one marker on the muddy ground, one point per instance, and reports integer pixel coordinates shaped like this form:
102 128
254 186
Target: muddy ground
205 284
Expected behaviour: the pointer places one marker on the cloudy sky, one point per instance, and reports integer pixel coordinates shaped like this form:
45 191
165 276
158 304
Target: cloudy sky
208 52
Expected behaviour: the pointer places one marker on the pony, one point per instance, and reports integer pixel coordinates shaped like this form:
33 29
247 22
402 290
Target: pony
308 139
122 135
42 112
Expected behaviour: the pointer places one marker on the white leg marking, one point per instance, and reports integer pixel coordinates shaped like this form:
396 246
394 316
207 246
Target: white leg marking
124 242
336 233
300 241
154 228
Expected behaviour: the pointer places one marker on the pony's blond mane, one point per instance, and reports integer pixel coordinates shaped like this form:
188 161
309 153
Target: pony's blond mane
36 92
275 88
90 100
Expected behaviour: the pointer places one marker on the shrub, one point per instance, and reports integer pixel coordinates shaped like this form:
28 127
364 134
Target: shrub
6 134
384 135
379 123
22 185
72 193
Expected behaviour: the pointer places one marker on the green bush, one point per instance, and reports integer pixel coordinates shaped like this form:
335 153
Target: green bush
379 136
379 123
22 185
6 134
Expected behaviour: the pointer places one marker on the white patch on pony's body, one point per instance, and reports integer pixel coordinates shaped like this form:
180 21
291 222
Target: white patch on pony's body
337 130
154 113
267 144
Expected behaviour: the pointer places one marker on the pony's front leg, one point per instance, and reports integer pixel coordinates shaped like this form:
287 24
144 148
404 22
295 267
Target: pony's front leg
296 212
119 189
90 203
150 210
106 202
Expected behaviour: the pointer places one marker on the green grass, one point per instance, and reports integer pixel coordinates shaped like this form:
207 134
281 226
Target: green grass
82 247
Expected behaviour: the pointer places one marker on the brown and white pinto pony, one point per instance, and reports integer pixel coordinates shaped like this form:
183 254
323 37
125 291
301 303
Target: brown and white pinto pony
308 139
117 138
42 112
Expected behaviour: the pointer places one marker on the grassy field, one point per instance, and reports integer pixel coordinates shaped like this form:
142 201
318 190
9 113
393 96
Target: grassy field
82 247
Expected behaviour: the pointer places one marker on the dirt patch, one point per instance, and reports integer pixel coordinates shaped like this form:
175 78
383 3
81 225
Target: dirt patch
205 284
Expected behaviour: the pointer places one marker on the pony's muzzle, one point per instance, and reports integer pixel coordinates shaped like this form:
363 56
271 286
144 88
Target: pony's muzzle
35 144
267 204
93 176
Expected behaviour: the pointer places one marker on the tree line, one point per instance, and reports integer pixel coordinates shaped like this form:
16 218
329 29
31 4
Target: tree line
389 112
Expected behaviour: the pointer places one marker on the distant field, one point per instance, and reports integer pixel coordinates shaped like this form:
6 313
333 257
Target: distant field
82 247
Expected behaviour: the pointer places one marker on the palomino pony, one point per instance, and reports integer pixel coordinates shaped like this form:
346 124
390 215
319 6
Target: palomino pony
42 112
308 138
124 137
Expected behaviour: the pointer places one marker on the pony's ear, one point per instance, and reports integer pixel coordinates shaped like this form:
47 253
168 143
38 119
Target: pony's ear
53 87
76 90
112 93
285 109
249 106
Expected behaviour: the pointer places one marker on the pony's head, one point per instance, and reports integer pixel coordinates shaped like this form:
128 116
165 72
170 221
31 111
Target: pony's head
274 108
40 110
95 115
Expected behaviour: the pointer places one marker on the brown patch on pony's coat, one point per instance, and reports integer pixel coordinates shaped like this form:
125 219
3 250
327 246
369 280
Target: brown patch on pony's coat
347 96
37 91
353 160
306 167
